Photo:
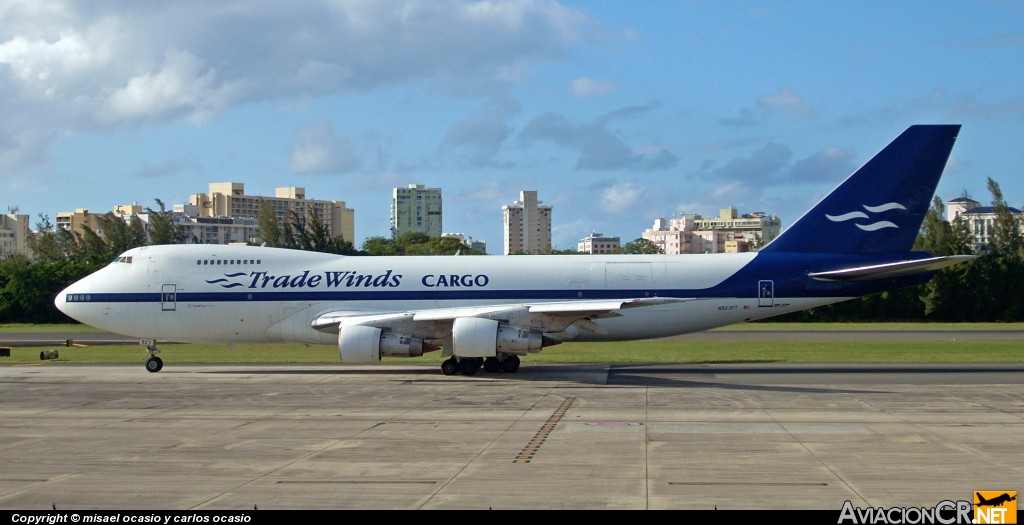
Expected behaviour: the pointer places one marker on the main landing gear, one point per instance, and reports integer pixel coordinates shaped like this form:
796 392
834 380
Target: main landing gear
508 363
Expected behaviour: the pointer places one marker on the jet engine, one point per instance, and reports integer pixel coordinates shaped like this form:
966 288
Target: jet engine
366 344
478 337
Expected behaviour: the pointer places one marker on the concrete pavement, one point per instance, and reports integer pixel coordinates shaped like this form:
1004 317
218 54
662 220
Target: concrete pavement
550 437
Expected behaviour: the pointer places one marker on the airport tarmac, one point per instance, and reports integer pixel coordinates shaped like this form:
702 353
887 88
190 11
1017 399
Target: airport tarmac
762 436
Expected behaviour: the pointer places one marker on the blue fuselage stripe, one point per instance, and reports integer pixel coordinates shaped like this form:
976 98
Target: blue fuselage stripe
415 295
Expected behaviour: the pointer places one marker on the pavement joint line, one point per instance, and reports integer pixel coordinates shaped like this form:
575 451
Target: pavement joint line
36 486
303 457
816 457
531 448
485 449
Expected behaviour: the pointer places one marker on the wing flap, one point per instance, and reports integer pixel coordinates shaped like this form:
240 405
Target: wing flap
891 270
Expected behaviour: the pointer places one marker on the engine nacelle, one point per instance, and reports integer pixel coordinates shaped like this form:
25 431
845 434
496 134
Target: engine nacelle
366 344
516 340
400 345
478 337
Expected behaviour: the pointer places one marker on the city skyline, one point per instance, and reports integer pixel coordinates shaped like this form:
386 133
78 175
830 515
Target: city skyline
643 110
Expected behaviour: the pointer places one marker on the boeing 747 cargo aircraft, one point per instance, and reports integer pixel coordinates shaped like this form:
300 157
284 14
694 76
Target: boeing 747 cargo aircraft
489 311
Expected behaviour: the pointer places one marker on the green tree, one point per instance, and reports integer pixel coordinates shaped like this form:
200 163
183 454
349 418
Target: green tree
163 228
1006 239
944 296
1002 263
441 246
935 234
51 244
269 226
411 238
379 245
312 234
641 246
299 233
27 289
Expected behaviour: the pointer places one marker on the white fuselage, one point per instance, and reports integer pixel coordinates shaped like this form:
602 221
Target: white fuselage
202 293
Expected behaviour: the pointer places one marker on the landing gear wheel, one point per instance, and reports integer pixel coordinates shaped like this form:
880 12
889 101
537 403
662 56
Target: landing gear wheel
492 365
470 366
154 364
510 364
450 367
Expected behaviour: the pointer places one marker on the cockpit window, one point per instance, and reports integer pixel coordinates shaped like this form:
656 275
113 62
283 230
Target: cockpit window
127 260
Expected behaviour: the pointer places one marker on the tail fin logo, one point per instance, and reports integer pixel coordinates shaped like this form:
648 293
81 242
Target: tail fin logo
870 227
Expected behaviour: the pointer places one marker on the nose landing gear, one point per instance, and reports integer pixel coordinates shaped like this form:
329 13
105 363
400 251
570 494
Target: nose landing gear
153 363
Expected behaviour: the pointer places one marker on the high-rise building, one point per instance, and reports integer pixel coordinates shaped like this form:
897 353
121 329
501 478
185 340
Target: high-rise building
527 225
416 208
228 200
14 234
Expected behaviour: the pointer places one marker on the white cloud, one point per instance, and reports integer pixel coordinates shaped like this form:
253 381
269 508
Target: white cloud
481 134
598 147
589 87
621 197
70 66
317 149
786 102
828 165
566 234
182 86
727 189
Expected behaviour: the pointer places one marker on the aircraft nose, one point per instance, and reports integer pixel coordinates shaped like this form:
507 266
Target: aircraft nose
61 301
65 300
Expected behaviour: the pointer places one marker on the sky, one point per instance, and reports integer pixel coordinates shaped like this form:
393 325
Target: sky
616 113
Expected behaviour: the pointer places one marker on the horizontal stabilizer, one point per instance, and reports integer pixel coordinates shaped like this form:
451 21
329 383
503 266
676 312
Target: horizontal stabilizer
891 270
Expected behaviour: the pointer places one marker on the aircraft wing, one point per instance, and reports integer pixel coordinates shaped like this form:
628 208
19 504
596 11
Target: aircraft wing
890 270
435 323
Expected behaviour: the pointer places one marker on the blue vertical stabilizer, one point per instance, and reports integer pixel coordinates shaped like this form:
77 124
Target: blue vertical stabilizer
880 207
